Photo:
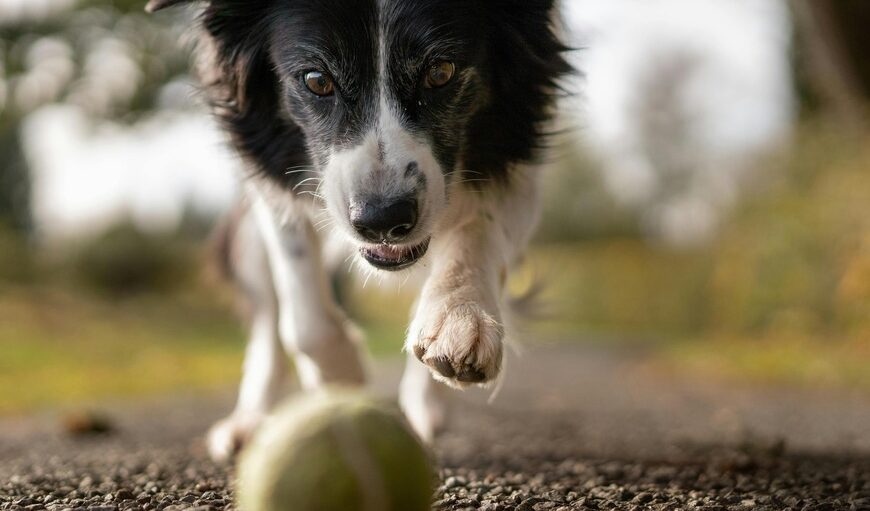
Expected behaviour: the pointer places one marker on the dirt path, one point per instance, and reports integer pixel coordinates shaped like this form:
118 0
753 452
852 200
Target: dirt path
573 429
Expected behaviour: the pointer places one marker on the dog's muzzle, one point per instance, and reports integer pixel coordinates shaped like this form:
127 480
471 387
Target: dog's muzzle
385 226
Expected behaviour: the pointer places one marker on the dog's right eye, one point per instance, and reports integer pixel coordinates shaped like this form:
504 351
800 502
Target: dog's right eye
319 83
439 74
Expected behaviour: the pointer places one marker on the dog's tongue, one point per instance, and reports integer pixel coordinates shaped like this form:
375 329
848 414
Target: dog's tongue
388 252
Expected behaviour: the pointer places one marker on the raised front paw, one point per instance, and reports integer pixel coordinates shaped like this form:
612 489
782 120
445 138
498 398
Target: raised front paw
458 340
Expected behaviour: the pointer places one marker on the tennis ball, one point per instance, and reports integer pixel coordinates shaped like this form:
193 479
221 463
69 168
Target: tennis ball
338 450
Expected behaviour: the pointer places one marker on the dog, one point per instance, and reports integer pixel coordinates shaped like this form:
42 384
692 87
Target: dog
408 132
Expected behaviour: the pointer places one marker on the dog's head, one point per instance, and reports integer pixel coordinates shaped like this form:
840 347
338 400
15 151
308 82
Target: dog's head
387 104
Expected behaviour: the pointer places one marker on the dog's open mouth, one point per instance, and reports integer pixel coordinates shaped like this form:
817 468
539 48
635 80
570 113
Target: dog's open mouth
394 257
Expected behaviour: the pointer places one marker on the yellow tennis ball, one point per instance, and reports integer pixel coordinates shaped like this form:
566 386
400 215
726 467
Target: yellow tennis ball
335 451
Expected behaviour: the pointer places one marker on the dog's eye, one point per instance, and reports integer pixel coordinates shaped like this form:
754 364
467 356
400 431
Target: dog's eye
319 83
439 74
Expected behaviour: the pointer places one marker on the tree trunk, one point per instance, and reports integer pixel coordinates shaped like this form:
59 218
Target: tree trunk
834 41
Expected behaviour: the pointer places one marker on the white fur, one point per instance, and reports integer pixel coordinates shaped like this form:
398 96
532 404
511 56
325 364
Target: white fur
364 172
459 315
281 269
265 364
458 320
422 399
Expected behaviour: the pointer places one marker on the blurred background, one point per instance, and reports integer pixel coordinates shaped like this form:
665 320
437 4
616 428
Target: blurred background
710 205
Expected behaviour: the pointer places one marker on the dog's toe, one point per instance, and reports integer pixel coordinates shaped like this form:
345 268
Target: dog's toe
419 352
443 366
471 375
462 345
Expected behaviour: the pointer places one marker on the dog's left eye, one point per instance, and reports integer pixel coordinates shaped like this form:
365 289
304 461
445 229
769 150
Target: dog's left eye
439 74
319 83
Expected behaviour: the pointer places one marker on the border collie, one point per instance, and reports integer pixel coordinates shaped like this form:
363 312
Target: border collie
406 131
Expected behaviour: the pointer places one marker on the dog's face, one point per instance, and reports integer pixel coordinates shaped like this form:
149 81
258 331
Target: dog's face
383 91
391 103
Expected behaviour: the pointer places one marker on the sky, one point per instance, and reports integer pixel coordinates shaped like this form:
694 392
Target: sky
15 10
88 175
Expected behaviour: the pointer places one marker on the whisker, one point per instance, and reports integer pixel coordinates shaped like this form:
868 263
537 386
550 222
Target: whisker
308 192
463 171
298 170
322 223
407 277
307 180
320 228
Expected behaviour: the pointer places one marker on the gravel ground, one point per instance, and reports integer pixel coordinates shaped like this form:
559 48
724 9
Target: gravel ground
573 429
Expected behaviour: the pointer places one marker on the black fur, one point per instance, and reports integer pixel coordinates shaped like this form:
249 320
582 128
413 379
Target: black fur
490 116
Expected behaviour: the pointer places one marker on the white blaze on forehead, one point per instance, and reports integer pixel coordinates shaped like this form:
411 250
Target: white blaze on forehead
395 142
397 145
377 167
365 171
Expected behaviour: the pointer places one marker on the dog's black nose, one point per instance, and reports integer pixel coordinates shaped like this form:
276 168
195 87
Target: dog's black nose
380 222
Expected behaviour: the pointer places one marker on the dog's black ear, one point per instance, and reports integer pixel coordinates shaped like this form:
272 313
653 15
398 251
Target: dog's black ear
156 5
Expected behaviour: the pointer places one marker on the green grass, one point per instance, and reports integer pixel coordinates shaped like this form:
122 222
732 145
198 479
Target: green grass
784 361
61 348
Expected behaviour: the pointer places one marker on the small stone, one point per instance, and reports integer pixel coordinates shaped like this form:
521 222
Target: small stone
124 495
454 481
642 498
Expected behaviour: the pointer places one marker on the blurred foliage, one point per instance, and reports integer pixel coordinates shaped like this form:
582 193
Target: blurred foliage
106 57
16 257
123 314
14 181
125 261
794 257
576 205
61 58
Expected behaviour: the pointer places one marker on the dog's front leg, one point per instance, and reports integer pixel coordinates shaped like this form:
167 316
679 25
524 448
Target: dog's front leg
312 328
458 330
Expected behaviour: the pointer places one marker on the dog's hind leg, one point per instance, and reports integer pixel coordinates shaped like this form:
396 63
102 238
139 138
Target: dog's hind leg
265 365
312 327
